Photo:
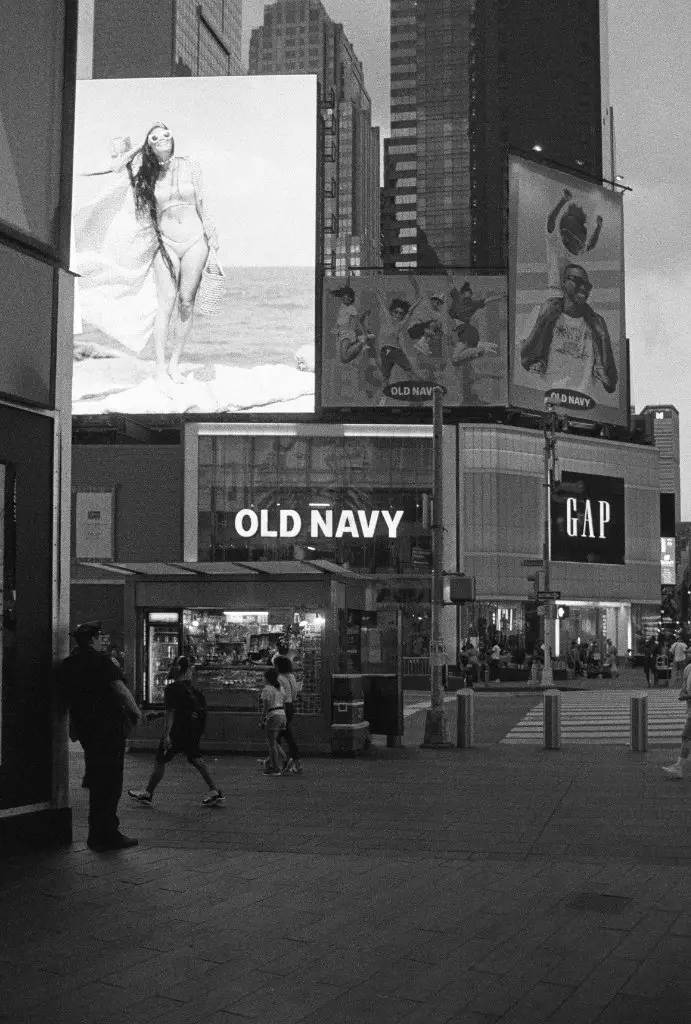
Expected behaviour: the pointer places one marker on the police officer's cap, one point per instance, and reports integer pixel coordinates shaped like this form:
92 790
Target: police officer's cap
87 629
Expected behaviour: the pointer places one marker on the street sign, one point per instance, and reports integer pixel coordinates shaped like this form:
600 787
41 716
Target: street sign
533 563
548 595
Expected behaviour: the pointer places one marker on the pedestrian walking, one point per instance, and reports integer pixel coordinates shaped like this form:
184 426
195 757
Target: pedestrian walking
273 720
184 721
494 662
677 770
648 662
291 689
101 712
678 653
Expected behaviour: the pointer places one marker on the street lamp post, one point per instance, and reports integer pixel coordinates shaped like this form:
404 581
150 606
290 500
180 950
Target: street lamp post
436 722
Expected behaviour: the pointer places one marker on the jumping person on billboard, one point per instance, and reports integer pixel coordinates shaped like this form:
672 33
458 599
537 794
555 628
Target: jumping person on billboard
569 345
355 341
567 236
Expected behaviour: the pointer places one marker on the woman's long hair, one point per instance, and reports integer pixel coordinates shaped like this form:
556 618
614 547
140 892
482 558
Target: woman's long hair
143 182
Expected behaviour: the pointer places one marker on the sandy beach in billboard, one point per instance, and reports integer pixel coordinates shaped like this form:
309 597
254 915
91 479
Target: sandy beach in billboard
194 250
257 355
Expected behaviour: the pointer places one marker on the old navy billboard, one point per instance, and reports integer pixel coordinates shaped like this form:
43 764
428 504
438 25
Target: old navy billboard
588 519
567 340
194 245
388 341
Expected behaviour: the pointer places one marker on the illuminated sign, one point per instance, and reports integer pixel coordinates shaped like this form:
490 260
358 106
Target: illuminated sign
322 523
194 250
668 561
588 519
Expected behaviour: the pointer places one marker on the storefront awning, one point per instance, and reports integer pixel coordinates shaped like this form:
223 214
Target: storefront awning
87 571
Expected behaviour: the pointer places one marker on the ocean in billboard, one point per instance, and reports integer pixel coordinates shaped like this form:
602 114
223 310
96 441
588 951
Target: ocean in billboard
195 249
388 340
566 284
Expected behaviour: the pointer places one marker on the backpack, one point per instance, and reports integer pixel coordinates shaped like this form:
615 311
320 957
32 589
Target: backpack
198 707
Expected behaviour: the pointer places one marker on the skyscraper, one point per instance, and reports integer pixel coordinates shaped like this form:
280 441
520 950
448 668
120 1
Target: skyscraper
299 37
471 79
662 422
162 38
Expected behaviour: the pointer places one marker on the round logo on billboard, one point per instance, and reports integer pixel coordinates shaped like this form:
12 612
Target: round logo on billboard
570 399
413 390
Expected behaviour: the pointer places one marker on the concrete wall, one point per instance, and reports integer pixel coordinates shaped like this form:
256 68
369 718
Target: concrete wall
133 39
148 482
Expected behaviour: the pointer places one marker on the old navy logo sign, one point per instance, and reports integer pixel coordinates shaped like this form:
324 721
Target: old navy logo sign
413 390
588 521
322 523
571 399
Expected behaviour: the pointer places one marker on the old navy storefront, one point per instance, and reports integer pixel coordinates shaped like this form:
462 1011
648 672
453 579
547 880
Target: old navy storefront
278 492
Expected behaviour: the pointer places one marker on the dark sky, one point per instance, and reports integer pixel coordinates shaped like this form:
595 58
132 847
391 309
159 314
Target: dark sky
650 89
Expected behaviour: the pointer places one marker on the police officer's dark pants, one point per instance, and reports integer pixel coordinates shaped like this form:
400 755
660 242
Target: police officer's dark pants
104 763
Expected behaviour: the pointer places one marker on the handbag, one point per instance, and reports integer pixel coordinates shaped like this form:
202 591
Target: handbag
209 299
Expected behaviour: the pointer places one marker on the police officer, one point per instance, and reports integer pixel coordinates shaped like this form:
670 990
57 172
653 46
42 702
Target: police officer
88 682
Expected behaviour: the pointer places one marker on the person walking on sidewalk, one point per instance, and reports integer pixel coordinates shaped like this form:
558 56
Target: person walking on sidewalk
91 687
676 770
291 689
678 653
184 721
273 720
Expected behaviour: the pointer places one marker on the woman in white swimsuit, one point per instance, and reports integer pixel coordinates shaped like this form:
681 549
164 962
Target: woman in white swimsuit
168 196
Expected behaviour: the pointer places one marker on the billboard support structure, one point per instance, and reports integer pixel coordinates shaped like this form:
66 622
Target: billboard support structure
436 722
549 460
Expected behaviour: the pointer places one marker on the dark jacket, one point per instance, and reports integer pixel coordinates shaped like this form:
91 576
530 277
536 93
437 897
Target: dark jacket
86 682
536 348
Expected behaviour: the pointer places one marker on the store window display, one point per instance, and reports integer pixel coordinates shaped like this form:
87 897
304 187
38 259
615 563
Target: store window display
232 650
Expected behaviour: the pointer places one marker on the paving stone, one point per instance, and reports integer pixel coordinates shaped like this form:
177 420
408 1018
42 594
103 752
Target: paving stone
594 993
665 970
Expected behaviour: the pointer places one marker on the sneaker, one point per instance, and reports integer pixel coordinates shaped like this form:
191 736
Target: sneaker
143 796
263 762
674 771
215 796
288 766
297 767
272 771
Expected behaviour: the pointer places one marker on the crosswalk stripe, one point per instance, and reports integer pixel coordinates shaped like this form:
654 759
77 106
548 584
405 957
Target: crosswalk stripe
602 718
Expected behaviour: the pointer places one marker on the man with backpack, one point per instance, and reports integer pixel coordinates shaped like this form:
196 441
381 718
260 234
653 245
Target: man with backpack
184 720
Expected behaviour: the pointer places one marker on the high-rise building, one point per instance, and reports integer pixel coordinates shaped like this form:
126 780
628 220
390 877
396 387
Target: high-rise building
471 79
662 423
161 38
299 37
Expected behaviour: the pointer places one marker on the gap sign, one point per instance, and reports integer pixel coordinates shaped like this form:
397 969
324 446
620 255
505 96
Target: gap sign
589 519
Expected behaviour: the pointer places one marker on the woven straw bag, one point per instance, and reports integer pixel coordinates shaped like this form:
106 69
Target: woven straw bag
210 294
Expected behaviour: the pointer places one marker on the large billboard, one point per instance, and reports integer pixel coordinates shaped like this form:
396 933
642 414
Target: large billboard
194 240
566 295
388 339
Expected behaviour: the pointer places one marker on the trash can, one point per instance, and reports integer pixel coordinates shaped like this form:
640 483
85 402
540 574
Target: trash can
383 701
350 733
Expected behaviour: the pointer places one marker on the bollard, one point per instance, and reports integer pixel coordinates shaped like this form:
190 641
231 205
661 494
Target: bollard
465 718
551 726
639 721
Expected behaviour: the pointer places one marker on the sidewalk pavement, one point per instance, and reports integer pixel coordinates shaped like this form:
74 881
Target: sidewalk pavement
496 885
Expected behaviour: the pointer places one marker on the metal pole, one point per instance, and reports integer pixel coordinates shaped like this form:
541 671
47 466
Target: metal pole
547 679
436 724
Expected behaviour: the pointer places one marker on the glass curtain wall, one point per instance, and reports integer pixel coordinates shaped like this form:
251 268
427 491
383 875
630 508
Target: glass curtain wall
270 473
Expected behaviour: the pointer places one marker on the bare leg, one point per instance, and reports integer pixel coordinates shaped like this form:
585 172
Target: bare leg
156 776
204 772
166 291
191 267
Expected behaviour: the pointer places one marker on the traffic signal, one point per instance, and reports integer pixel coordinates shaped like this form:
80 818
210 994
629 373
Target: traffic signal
562 611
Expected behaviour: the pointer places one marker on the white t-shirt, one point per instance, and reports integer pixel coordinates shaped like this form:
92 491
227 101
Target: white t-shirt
571 359
678 649
272 700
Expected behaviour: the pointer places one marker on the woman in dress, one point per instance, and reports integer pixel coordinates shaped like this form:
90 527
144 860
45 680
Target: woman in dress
168 197
142 237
